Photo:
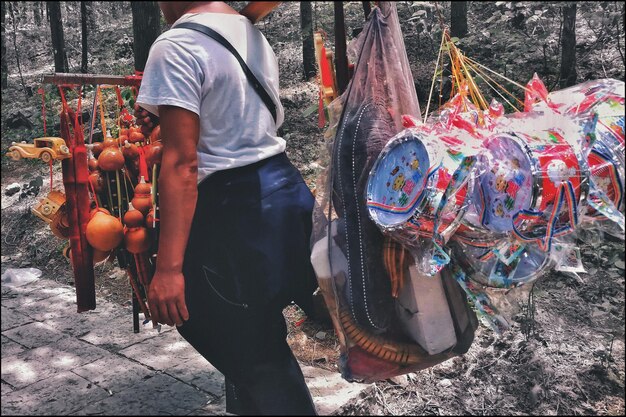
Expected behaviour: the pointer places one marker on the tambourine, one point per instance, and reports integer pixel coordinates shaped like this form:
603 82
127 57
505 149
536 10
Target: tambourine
531 185
398 178
522 264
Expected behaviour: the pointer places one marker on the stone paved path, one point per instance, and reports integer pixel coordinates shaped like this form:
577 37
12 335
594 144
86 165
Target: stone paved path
58 362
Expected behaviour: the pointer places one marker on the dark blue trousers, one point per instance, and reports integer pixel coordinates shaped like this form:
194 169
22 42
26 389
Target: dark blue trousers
248 256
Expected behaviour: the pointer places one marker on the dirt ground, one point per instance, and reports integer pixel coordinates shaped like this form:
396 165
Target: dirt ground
564 356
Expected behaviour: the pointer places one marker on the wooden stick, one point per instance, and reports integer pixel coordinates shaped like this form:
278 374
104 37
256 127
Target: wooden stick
119 194
61 78
109 192
142 271
142 305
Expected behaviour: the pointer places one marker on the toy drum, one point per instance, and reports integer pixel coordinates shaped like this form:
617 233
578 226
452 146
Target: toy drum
436 208
531 185
525 264
446 193
397 182
600 99
472 233
610 126
607 174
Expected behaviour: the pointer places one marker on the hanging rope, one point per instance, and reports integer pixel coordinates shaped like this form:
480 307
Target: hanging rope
432 85
486 77
102 118
51 180
465 72
43 109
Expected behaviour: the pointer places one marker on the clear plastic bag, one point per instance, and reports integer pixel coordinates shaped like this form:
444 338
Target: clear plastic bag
16 277
381 305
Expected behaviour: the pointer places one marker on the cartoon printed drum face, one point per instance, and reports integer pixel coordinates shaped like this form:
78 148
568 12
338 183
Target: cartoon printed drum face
484 266
398 179
528 175
408 181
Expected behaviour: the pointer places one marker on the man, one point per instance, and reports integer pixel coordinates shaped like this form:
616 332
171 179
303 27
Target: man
235 214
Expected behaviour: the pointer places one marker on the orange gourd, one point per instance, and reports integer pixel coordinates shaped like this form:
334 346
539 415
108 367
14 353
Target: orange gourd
98 255
142 200
143 187
137 240
92 163
96 148
135 137
111 159
154 152
96 181
108 142
97 210
130 151
104 232
133 217
142 203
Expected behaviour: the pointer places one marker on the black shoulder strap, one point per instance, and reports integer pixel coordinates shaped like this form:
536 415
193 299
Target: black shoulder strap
253 80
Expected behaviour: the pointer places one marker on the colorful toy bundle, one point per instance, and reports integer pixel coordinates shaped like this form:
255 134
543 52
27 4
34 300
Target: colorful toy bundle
389 316
416 221
521 186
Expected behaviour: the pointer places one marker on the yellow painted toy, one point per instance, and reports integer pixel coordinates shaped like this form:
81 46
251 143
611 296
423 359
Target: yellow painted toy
52 210
46 149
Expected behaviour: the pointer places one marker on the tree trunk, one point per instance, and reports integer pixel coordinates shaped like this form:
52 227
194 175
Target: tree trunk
308 49
568 46
146 28
367 9
21 12
84 17
17 55
3 56
37 13
341 56
458 19
58 41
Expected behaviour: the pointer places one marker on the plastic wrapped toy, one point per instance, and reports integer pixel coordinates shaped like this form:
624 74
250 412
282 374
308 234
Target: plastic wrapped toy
383 308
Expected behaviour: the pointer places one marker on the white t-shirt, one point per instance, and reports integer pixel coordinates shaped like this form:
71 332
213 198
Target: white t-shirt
188 69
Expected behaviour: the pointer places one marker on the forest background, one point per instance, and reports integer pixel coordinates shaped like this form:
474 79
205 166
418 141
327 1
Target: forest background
565 358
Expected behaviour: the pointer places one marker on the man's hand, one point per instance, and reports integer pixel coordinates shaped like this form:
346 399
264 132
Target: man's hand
146 120
166 299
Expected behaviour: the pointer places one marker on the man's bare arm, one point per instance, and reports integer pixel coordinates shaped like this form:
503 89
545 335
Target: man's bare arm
177 201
